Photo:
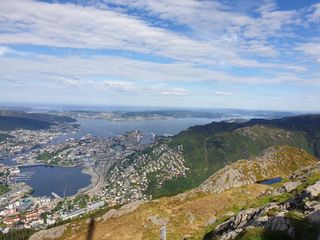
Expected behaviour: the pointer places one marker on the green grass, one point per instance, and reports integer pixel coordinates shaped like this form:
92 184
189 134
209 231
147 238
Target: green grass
264 200
310 181
262 234
4 188
303 228
52 156
209 229
206 153
21 234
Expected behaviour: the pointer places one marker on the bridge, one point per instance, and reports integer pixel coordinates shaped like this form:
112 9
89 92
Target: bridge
56 195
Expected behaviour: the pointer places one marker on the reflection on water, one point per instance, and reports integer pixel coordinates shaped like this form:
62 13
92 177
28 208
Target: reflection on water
61 180
271 181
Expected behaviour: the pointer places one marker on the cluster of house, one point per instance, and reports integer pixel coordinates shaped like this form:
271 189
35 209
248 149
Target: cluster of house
129 179
24 140
26 213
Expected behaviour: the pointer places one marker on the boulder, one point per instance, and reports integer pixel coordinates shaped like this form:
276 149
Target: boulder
278 223
314 217
156 220
314 190
128 208
52 233
210 221
289 186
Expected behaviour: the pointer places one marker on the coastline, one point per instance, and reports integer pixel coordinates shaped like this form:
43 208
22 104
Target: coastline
96 181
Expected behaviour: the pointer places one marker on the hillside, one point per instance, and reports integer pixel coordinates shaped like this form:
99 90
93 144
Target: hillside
210 147
279 161
45 117
198 213
13 123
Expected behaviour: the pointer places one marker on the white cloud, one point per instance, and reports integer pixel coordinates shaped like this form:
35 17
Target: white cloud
210 18
219 42
314 16
223 93
76 26
4 50
73 69
311 49
167 91
120 85
68 25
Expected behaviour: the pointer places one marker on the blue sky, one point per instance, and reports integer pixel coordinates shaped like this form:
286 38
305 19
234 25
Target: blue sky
178 53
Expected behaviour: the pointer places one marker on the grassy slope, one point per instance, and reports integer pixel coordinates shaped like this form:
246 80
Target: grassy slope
303 228
210 147
208 150
177 210
187 214
279 161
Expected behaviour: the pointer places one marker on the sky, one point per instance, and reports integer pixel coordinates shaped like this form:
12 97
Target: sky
247 54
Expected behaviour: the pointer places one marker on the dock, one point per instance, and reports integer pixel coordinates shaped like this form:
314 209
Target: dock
56 195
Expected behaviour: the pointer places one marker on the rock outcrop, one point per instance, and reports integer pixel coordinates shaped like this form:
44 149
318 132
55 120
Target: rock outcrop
274 162
275 216
52 233
314 190
125 209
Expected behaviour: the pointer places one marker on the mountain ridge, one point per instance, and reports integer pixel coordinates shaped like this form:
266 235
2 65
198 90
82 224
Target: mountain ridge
189 215
210 147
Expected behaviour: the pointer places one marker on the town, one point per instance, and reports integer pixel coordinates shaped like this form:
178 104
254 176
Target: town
19 209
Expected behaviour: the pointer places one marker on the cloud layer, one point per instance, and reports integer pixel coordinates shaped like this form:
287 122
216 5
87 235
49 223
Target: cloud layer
168 51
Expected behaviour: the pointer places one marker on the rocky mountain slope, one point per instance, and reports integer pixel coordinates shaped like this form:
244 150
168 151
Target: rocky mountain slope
297 217
213 213
278 161
208 148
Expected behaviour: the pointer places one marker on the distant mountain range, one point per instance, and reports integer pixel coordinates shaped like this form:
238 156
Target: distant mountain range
138 114
11 120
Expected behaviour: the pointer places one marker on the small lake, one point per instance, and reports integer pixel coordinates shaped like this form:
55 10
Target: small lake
61 180
271 181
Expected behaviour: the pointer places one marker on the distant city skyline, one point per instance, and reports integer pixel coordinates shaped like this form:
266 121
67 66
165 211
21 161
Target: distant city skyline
241 54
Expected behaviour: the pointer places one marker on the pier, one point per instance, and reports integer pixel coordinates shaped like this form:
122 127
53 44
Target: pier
56 195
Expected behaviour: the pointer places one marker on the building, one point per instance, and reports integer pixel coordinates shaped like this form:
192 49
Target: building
11 220
8 212
31 216
74 214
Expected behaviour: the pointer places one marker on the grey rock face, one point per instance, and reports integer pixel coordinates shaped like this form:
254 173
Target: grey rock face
278 223
156 220
52 233
210 221
288 187
314 190
314 217
128 208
